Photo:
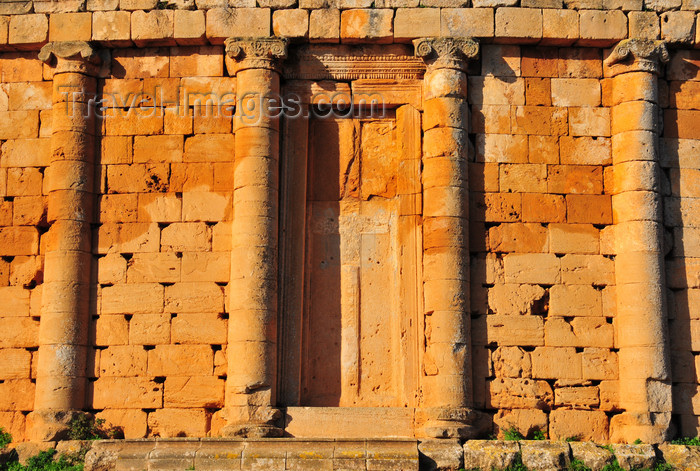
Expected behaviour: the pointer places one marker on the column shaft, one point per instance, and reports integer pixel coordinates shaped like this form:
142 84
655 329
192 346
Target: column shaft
447 380
252 343
644 367
63 331
445 223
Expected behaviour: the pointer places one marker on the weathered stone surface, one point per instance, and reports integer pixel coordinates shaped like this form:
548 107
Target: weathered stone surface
681 457
526 421
635 456
441 454
324 25
490 454
581 424
545 455
360 25
517 393
590 454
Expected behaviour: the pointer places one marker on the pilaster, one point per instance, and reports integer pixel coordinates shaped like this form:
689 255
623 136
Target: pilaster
63 332
447 379
642 330
252 339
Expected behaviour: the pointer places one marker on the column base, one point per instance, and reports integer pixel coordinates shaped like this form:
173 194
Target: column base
451 422
51 425
649 427
256 423
251 431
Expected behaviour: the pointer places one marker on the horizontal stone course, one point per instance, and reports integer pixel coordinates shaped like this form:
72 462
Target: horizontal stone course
230 454
388 455
532 22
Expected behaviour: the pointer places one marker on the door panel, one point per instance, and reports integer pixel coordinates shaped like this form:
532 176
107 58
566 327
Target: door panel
357 330
351 314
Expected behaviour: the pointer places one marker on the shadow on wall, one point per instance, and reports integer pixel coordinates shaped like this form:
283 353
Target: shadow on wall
679 163
684 358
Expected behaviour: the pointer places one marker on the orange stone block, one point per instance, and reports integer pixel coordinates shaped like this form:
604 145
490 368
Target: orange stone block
131 421
126 393
178 422
518 237
523 178
19 240
495 207
363 24
589 209
543 149
538 91
543 208
684 124
179 360
539 120
539 62
579 179
580 63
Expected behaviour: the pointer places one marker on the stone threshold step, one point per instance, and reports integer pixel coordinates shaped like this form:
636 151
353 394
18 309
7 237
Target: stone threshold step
270 454
284 454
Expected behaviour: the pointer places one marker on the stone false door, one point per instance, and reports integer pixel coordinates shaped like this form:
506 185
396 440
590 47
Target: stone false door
361 262
353 327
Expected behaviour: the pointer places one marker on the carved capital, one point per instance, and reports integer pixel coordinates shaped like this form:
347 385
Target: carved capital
75 56
256 53
637 55
450 53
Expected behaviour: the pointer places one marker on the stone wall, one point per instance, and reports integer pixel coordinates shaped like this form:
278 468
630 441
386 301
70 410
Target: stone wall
681 172
543 275
555 192
162 247
26 123
186 22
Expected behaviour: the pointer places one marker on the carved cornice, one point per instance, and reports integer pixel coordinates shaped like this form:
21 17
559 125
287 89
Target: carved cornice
256 53
637 55
449 53
354 67
75 56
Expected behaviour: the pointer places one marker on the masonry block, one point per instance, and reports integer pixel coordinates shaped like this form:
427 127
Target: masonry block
643 24
559 27
467 22
293 24
193 391
362 24
324 25
127 393
181 360
29 31
223 23
678 27
189 27
602 28
70 26
518 24
410 23
585 425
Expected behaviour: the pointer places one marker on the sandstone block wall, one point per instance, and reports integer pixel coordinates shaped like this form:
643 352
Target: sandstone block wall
543 279
28 24
681 140
25 101
162 247
542 244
